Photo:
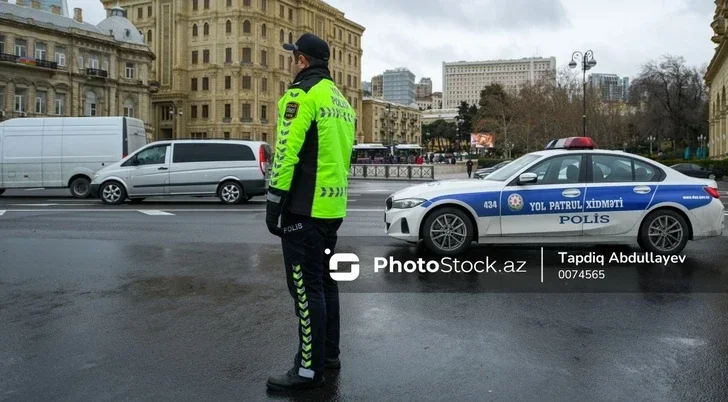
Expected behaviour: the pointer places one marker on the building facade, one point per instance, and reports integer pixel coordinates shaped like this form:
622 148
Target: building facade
462 81
398 86
222 67
377 86
432 101
423 88
52 65
48 5
716 78
386 122
611 86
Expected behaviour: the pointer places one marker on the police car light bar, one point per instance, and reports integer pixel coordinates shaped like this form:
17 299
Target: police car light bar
572 143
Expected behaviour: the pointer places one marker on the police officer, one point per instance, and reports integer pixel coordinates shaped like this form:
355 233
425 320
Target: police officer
307 191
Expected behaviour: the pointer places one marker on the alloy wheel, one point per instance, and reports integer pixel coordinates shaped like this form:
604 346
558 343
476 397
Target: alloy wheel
666 233
448 232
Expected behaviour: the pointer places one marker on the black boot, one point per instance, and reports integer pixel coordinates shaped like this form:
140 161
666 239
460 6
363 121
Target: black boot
333 364
290 381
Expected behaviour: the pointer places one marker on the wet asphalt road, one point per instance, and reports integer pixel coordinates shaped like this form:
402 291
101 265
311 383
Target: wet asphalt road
99 303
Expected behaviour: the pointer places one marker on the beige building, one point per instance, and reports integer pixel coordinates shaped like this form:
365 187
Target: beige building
52 65
423 88
384 122
463 80
716 79
378 86
221 64
433 101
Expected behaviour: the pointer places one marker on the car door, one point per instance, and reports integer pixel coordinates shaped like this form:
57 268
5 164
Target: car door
619 190
552 206
150 171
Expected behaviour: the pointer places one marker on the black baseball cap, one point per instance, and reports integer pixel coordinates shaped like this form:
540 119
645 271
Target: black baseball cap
310 45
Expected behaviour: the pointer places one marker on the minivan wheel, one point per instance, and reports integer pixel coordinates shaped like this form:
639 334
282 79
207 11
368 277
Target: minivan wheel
231 193
2 190
81 187
112 193
711 176
664 232
448 232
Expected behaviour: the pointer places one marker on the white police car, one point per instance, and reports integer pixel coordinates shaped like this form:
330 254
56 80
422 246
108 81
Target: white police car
569 193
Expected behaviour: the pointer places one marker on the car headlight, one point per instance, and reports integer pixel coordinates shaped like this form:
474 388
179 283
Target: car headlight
407 203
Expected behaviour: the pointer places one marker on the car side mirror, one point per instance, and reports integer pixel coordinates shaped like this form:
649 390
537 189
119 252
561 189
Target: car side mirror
527 178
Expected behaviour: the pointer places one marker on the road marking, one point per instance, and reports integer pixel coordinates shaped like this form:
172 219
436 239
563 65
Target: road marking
33 205
71 200
2 212
153 212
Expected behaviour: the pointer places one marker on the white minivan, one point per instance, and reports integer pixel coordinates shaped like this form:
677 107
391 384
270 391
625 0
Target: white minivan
64 152
232 170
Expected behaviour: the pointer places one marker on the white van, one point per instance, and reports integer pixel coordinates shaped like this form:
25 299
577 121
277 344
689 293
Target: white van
64 152
232 170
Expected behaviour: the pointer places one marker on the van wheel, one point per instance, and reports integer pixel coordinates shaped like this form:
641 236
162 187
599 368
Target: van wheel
231 193
447 232
664 232
2 190
112 193
81 187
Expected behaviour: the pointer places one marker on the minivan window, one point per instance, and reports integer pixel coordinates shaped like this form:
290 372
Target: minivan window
188 153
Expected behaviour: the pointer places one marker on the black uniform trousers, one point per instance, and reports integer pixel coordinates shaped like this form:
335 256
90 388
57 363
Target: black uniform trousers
315 293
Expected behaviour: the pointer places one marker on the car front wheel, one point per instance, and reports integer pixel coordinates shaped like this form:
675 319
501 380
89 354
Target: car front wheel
112 193
448 231
664 232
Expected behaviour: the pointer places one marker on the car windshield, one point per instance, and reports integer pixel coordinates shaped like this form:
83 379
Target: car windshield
510 169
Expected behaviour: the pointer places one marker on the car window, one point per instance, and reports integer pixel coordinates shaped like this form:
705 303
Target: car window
679 166
645 172
506 172
197 152
559 170
617 169
695 167
152 156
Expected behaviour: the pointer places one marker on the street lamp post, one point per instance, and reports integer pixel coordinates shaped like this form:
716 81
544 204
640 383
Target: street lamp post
651 139
587 62
459 123
701 141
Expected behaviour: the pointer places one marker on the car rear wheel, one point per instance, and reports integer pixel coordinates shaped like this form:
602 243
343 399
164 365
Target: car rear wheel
664 232
711 176
81 187
231 193
112 193
448 231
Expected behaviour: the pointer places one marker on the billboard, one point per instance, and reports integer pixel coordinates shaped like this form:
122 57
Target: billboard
482 140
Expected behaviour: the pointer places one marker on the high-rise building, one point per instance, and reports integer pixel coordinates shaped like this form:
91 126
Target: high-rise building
366 86
47 5
423 89
386 122
463 80
610 86
53 65
399 86
222 67
377 84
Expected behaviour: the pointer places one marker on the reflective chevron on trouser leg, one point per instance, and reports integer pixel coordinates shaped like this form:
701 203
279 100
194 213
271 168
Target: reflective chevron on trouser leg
304 315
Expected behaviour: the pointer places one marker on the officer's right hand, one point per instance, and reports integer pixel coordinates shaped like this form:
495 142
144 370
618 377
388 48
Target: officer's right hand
272 213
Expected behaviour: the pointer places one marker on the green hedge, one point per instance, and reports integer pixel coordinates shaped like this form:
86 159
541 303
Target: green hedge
488 162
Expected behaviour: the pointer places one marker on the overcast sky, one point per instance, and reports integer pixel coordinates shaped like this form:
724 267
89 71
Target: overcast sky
421 34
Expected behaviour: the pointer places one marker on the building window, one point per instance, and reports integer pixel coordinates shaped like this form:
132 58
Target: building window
356 41
193 111
282 87
350 59
194 56
149 11
60 57
264 137
290 14
341 58
2 42
263 31
227 110
281 11
246 82
263 112
340 34
90 104
226 135
228 82
281 62
355 61
129 108
246 3
149 36
348 80
20 102
207 4
205 111
247 55
205 83
263 84
40 51
246 112
206 56
60 104
350 39
198 136
263 5
194 5
228 55
194 30
356 82
246 26
290 37
340 80
355 103
206 29
281 36
129 71
140 13
21 47
228 26
193 84
263 58
229 3
40 102
333 53
290 64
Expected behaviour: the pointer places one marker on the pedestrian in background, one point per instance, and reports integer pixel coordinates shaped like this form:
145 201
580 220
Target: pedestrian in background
469 164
